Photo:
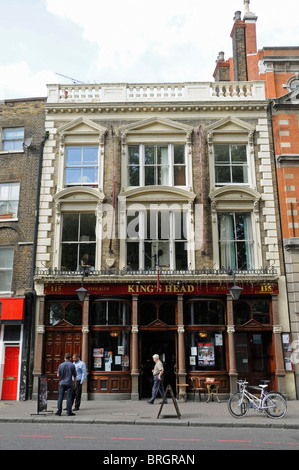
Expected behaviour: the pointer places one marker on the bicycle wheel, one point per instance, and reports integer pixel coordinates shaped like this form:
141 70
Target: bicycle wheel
238 405
275 405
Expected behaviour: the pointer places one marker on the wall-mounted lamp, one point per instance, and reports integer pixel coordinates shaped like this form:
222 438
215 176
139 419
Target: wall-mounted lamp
235 291
81 292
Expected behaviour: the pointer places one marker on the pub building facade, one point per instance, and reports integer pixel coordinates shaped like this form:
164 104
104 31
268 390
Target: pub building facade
168 194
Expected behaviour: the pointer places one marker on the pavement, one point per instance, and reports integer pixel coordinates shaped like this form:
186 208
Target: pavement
189 413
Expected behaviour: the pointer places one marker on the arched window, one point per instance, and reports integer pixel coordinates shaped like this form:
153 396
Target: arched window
71 312
241 313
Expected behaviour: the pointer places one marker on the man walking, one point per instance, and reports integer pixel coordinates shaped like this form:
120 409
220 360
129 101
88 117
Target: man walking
67 376
81 376
158 385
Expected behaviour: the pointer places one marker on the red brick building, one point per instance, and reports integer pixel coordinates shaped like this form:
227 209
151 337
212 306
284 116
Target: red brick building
278 67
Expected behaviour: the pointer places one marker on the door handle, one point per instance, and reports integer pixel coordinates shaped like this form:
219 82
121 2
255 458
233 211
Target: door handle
10 378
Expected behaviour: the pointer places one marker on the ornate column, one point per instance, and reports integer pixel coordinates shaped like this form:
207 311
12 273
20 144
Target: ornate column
232 368
278 350
181 366
134 359
39 344
85 336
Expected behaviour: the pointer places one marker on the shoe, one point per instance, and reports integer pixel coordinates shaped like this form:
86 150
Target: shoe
75 409
150 402
57 413
71 414
165 403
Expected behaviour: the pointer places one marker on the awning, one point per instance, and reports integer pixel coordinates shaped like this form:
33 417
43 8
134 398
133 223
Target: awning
11 311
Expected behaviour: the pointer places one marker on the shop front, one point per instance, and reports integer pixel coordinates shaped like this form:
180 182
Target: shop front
11 332
196 328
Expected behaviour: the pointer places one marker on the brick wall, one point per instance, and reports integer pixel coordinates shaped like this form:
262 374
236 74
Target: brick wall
22 167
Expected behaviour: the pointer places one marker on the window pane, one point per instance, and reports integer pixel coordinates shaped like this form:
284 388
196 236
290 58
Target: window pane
73 156
149 156
87 227
133 155
133 255
6 267
238 153
239 174
88 252
110 353
54 314
181 258
222 174
221 153
69 257
73 313
73 175
90 155
133 176
179 154
89 175
149 176
70 227
180 175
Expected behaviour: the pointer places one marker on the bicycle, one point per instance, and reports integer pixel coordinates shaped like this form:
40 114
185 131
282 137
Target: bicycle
272 403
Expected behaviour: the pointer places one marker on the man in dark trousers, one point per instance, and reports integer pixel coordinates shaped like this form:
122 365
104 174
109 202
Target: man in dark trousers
67 377
158 385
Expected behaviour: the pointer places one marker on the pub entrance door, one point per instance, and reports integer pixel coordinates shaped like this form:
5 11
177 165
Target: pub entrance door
164 344
58 343
255 357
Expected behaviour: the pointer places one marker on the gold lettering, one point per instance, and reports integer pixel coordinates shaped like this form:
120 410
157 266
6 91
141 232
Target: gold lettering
131 289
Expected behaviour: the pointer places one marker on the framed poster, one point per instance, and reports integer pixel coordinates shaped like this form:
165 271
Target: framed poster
206 354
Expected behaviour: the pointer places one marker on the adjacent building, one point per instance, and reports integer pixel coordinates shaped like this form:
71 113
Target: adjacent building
21 137
156 199
278 68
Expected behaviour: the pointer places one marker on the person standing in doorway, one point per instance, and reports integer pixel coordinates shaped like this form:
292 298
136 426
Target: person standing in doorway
81 376
158 385
67 377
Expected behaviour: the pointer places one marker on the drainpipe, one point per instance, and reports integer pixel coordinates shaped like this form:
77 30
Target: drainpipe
33 293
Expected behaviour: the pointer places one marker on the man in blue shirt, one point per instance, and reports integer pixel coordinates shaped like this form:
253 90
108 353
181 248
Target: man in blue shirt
81 376
67 376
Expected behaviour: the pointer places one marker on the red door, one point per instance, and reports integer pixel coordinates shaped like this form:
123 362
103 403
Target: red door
10 373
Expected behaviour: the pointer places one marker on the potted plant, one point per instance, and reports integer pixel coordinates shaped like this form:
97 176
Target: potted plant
7 215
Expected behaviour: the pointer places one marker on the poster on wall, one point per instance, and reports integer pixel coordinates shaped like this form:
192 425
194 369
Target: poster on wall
206 354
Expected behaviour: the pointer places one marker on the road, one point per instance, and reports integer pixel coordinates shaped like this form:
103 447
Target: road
121 438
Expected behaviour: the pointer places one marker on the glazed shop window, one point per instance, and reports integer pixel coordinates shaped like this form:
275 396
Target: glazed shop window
110 351
206 312
81 165
231 166
110 313
235 240
78 240
71 312
157 238
9 200
156 165
13 138
254 310
205 350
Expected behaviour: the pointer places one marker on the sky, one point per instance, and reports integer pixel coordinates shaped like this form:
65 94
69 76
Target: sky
126 41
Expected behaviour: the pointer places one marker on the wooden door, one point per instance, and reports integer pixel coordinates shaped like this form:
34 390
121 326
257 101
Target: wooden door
10 373
58 343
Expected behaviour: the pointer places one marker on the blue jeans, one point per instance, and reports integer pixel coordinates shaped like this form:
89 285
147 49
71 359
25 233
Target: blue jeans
158 387
69 397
